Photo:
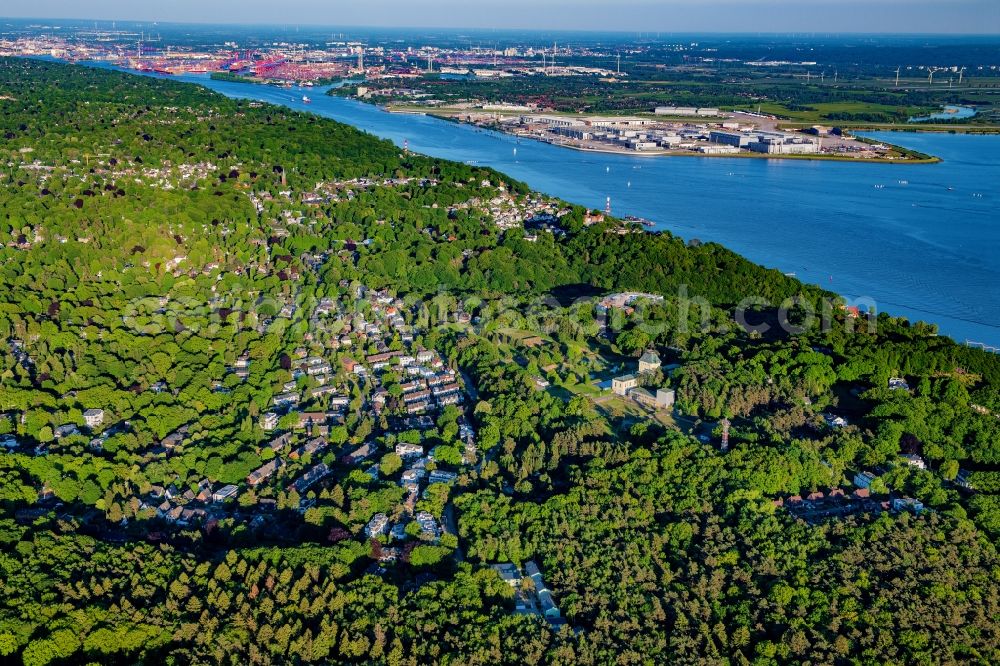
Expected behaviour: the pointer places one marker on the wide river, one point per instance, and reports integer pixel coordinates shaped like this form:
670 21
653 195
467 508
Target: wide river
921 241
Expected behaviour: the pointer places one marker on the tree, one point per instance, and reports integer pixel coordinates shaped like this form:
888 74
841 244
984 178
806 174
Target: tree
390 464
949 470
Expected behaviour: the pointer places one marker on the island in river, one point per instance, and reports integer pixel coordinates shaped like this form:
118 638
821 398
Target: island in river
736 134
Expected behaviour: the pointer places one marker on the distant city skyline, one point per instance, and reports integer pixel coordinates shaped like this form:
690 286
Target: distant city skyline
750 16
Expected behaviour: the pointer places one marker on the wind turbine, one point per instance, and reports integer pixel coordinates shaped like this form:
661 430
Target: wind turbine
897 76
961 72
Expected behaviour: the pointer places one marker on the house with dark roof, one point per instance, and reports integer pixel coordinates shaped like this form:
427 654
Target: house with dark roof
649 362
509 573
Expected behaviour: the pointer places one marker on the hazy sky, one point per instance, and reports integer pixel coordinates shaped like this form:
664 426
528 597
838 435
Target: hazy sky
951 16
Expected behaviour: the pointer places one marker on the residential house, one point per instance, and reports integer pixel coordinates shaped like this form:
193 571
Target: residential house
622 385
358 454
649 362
449 399
835 421
174 439
546 603
412 476
405 450
913 460
509 573
313 475
269 421
418 407
415 385
283 399
441 476
898 384
863 479
377 525
66 430
309 448
416 396
322 391
94 418
428 526
224 493
309 419
445 389
323 368
280 442
264 472
189 516
907 503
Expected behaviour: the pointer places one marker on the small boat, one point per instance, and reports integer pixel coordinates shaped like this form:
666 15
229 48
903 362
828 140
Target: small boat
306 100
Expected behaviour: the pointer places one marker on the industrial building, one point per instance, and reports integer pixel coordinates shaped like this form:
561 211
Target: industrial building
771 143
686 111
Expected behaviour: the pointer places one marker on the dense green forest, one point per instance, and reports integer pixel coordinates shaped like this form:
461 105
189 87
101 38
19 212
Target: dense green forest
171 257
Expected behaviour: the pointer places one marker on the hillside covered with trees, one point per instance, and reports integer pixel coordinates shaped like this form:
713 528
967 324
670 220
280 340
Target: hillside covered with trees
275 391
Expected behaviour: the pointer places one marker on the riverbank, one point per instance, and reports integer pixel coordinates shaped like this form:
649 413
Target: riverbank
920 243
927 128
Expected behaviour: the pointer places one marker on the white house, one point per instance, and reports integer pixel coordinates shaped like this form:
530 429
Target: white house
93 417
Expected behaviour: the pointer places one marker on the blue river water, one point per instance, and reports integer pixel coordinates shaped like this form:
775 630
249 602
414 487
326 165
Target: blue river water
921 241
949 113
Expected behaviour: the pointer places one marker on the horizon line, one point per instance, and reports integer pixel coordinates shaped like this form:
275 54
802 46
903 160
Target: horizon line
595 31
